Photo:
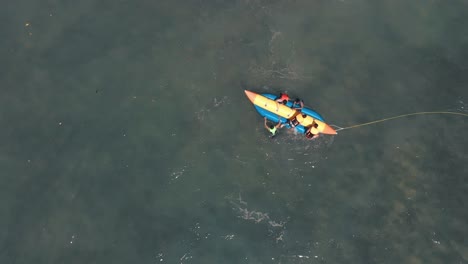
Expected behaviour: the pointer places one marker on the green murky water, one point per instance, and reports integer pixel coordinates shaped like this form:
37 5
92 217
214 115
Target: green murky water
126 136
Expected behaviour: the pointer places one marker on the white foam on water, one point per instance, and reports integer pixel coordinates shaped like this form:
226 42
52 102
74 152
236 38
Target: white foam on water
462 106
178 172
276 228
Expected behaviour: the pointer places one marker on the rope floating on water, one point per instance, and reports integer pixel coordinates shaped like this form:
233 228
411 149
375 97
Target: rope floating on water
399 116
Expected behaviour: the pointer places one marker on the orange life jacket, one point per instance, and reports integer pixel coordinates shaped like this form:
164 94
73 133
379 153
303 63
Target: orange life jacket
284 97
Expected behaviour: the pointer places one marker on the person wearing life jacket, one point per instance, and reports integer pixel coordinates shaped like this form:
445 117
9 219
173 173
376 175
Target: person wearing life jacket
272 128
282 98
293 122
312 132
298 104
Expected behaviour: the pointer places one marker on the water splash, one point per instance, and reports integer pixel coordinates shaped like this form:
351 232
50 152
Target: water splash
277 228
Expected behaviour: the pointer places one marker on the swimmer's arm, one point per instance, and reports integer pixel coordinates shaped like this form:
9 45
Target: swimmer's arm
279 124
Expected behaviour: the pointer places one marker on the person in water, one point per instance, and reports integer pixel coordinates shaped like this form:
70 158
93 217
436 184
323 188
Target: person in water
312 132
272 128
282 98
298 104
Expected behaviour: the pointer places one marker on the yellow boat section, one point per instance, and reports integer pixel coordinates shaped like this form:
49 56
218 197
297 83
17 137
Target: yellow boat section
321 126
273 106
307 121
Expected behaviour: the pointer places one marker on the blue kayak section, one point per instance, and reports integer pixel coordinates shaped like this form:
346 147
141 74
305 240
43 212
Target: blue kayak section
275 118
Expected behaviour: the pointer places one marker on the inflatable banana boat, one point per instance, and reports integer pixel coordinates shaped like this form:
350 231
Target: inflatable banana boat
302 119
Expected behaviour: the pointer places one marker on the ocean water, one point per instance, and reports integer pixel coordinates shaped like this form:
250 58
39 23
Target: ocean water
127 137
